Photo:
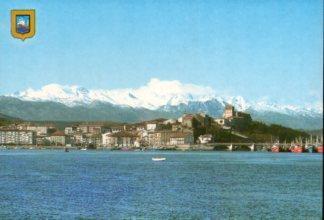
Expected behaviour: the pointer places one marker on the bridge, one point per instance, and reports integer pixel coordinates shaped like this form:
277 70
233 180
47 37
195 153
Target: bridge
249 146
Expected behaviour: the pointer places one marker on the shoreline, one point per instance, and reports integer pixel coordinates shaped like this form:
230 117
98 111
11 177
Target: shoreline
63 149
124 149
226 147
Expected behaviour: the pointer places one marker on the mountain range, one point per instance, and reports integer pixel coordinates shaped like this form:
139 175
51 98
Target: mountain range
168 99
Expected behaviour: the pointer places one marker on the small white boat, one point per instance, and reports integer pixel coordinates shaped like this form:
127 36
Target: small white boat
158 158
83 149
252 147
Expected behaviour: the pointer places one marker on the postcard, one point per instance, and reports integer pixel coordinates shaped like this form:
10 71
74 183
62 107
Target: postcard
161 109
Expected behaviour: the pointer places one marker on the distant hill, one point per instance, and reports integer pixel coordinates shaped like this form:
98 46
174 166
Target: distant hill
3 116
97 111
318 132
297 121
5 119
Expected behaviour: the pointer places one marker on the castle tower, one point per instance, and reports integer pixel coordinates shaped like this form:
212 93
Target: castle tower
229 111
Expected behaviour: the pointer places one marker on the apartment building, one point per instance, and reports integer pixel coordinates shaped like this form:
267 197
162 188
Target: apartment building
18 137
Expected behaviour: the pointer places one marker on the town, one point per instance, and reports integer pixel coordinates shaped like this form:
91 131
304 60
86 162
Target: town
188 132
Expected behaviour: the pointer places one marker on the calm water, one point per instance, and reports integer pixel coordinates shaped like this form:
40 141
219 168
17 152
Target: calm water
189 185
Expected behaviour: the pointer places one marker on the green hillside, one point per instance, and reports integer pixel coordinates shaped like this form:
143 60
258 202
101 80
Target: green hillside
253 131
6 120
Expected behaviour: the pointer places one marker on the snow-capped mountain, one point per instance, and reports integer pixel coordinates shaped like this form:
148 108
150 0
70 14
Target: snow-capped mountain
156 94
168 99
151 96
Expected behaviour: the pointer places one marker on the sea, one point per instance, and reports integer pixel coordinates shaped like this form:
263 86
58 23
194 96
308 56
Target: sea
53 184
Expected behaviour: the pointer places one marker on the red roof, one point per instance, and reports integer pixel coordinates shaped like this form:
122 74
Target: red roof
58 133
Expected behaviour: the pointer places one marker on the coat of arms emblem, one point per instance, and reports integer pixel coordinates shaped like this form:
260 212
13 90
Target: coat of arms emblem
23 24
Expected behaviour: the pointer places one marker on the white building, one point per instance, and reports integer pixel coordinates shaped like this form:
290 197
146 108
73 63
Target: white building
151 126
116 129
206 138
40 130
58 138
169 121
140 128
19 137
181 138
220 121
69 130
121 139
106 139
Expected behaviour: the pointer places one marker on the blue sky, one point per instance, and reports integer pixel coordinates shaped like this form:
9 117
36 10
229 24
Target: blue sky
254 48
